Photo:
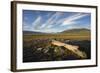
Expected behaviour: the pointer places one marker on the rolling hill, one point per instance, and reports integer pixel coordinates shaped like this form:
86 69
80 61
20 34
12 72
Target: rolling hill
82 30
32 32
72 31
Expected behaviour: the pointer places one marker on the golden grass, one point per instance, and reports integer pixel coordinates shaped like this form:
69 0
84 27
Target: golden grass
70 37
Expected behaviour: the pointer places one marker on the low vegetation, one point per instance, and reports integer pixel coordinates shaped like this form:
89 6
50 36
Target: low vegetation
37 47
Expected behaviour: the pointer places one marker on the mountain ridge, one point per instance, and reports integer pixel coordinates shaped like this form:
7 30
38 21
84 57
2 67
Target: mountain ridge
76 30
65 31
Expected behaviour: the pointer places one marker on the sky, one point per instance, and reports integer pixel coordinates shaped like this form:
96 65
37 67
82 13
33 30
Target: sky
54 21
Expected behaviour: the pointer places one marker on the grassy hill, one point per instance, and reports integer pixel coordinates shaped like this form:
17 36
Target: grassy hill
78 34
71 31
76 31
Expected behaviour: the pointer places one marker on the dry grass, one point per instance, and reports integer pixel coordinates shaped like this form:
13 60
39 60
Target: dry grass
70 37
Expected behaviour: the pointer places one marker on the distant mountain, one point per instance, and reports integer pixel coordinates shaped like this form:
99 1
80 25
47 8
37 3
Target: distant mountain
76 30
82 30
31 32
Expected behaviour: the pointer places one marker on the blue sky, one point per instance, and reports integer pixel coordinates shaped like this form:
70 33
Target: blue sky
53 21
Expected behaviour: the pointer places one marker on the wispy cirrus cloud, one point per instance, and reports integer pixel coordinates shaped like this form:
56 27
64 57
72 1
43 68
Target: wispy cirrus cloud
64 21
26 26
57 21
51 21
72 19
37 22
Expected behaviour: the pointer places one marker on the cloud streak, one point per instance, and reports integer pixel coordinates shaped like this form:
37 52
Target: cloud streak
72 19
51 21
55 22
37 23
